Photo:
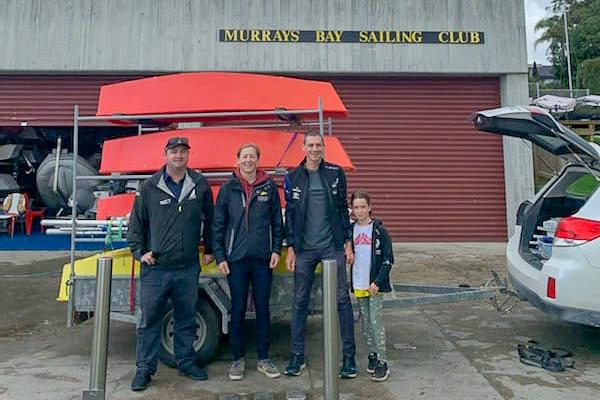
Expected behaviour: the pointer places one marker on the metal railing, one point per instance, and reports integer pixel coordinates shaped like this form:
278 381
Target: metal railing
536 91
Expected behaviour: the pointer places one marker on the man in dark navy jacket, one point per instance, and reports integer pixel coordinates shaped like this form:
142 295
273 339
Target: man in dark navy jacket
171 215
317 228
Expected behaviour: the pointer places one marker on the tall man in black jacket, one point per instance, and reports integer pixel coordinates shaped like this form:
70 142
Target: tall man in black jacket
171 215
317 228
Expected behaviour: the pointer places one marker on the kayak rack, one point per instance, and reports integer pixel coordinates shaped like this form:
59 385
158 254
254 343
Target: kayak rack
290 118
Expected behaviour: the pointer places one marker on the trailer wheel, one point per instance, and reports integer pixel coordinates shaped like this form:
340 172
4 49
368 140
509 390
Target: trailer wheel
208 334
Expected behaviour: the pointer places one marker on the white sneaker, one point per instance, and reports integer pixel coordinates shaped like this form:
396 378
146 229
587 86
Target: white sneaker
236 371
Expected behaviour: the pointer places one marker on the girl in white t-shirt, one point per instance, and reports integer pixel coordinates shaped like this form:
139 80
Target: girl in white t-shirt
373 259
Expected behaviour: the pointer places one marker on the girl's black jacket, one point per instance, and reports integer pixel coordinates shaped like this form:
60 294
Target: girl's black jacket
247 227
382 256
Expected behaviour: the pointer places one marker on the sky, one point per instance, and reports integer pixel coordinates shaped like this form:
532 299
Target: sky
534 11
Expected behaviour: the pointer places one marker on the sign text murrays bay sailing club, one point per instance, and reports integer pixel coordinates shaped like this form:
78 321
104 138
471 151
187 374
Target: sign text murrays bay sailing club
338 36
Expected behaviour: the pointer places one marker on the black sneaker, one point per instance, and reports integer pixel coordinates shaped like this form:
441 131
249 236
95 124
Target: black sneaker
140 381
295 366
372 363
348 369
381 372
194 372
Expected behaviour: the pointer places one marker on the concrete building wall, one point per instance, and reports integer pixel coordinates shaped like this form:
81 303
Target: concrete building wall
183 35
126 36
518 156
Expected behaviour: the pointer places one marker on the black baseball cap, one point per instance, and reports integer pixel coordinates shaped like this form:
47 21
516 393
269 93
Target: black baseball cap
177 141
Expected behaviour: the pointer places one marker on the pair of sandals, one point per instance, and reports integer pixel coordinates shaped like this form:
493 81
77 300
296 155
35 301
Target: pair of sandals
555 360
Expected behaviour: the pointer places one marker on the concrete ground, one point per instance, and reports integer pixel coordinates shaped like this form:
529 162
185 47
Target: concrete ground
448 351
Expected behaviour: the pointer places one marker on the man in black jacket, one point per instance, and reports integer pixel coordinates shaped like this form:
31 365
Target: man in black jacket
317 228
170 216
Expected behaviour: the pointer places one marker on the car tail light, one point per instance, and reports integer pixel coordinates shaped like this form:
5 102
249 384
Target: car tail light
551 289
572 231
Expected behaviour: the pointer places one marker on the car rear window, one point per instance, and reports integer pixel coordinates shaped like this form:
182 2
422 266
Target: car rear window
584 186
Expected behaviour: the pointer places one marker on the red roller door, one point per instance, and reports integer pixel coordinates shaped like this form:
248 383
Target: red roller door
432 176
48 100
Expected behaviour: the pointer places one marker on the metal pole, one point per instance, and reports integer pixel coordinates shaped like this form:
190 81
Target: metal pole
133 117
330 331
73 215
321 125
58 150
537 90
568 55
84 222
257 125
97 388
126 177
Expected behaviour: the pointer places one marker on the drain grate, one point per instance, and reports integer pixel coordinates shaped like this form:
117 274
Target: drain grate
288 395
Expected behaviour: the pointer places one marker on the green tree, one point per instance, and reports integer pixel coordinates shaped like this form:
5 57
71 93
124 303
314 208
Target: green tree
589 74
583 18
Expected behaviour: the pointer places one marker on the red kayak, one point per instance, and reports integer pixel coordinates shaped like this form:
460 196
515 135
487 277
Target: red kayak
213 149
210 92
118 205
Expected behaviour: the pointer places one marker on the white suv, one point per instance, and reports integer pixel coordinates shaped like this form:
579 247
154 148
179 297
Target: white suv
554 255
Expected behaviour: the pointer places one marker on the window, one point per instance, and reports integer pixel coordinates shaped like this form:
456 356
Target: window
584 186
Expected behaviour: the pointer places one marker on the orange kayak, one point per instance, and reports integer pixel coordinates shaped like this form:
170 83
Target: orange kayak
211 92
213 149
